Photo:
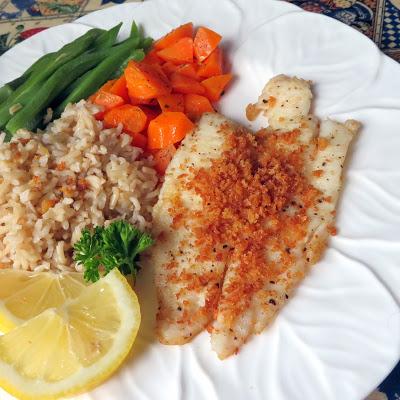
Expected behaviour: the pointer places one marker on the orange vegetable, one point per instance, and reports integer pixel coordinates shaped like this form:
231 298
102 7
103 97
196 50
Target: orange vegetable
107 100
168 128
183 84
205 42
189 70
105 88
132 118
180 52
212 65
171 102
169 68
119 88
139 140
146 81
151 113
163 157
196 105
172 37
146 102
215 86
152 57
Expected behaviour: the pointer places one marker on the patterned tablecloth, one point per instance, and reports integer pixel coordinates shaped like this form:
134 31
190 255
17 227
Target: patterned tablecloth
378 19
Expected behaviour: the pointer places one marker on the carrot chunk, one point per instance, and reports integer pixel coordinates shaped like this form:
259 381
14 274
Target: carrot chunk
139 140
151 113
168 128
196 105
215 85
146 81
132 118
105 88
163 157
107 100
189 70
171 102
152 57
205 42
183 84
119 88
172 37
180 52
212 65
169 68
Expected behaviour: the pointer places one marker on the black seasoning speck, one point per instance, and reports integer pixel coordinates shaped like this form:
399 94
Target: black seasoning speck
287 250
224 246
308 259
323 164
286 296
265 101
272 282
272 301
179 308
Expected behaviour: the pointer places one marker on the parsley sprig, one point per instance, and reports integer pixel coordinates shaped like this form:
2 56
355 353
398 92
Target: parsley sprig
116 246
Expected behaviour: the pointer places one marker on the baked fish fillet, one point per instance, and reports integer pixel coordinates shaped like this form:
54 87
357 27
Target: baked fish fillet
286 102
188 287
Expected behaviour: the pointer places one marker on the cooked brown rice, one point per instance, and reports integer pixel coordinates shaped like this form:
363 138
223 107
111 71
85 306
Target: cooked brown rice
73 175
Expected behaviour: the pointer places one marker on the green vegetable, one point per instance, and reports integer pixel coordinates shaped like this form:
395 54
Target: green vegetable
107 38
147 43
5 92
26 93
100 74
8 88
49 90
116 246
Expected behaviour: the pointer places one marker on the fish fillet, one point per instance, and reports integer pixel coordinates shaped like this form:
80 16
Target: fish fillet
195 292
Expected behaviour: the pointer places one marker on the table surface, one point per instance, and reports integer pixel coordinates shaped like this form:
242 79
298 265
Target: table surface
377 19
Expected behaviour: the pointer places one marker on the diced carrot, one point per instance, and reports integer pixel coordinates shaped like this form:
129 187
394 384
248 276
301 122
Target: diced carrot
119 88
205 42
151 113
105 88
196 105
108 100
146 81
189 70
180 52
132 118
169 68
212 65
99 116
171 102
146 102
139 140
183 84
152 57
163 157
168 128
215 86
172 37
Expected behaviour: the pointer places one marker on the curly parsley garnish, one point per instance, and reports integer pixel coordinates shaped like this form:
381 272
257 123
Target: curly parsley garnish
116 246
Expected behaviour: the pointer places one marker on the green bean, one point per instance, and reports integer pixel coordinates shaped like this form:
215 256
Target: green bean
146 43
5 92
100 74
107 38
27 116
10 87
134 31
67 53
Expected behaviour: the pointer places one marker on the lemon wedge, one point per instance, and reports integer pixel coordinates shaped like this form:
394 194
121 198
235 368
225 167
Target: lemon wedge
72 348
23 295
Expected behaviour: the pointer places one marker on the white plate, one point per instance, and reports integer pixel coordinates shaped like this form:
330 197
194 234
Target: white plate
340 335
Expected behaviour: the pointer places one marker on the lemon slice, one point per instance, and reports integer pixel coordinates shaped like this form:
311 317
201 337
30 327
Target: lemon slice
74 347
23 295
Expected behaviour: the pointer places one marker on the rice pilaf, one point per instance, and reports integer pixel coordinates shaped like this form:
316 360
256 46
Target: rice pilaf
73 175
